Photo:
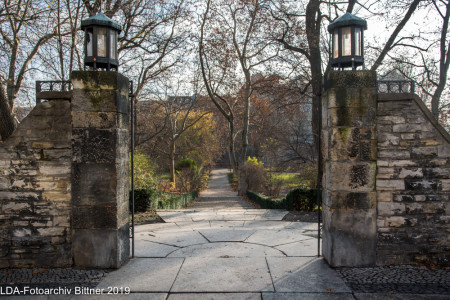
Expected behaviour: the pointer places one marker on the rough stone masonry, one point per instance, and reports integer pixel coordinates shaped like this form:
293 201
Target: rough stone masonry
64 179
386 197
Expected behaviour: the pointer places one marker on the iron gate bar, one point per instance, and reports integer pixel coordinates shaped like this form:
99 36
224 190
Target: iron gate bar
131 97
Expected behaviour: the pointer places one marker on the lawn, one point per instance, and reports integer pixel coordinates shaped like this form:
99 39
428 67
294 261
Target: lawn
290 180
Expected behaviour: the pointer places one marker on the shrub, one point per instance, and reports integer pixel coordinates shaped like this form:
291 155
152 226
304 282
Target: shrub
189 180
187 163
302 199
298 199
145 200
254 174
266 202
272 185
142 200
144 170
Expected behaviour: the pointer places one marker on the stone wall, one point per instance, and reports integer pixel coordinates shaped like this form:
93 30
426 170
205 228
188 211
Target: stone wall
413 183
64 179
35 185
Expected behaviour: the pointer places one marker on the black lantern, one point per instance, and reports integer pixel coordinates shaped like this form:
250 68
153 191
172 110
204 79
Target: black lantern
100 42
347 35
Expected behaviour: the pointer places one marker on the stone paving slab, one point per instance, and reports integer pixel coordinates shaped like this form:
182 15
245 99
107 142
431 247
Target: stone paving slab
307 296
227 249
277 237
226 224
145 248
216 296
305 275
212 274
226 235
177 239
145 275
301 248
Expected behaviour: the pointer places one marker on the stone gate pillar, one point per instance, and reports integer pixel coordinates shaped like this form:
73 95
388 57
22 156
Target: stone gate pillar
349 157
100 228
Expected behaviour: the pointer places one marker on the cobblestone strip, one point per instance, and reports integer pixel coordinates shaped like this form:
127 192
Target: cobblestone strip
51 278
397 279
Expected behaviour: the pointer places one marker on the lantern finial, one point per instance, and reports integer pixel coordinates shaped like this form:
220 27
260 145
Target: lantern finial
347 41
100 42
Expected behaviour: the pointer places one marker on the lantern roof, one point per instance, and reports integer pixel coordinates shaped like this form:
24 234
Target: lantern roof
102 20
347 20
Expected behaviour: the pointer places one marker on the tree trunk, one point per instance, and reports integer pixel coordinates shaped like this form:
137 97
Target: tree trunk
242 180
172 164
313 35
7 122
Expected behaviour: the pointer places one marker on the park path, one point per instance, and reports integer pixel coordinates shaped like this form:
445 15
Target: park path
219 248
219 194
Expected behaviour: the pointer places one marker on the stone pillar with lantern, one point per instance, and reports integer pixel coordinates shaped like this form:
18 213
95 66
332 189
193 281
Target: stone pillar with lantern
100 144
348 138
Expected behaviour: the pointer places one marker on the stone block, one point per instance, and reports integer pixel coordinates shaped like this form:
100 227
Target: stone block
351 98
351 176
349 200
390 120
410 173
351 117
422 185
94 145
349 237
94 217
395 221
352 79
100 120
94 80
94 184
57 168
445 183
384 196
388 139
394 154
390 208
394 185
105 248
407 128
55 196
424 152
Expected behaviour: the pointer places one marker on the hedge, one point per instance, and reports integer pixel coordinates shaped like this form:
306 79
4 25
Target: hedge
297 199
266 202
151 199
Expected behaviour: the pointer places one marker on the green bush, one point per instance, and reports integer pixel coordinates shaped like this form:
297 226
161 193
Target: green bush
301 199
187 163
266 202
142 200
144 171
298 199
151 199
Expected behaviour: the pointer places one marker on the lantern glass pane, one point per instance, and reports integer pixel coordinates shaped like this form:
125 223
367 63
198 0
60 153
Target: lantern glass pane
335 44
358 41
113 43
89 42
101 42
346 41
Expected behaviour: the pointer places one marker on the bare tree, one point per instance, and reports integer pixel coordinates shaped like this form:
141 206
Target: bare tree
25 27
231 46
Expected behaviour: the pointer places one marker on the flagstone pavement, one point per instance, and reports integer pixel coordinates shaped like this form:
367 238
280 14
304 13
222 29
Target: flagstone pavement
221 248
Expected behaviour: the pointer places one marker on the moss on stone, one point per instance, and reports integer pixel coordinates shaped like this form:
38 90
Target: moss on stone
344 134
